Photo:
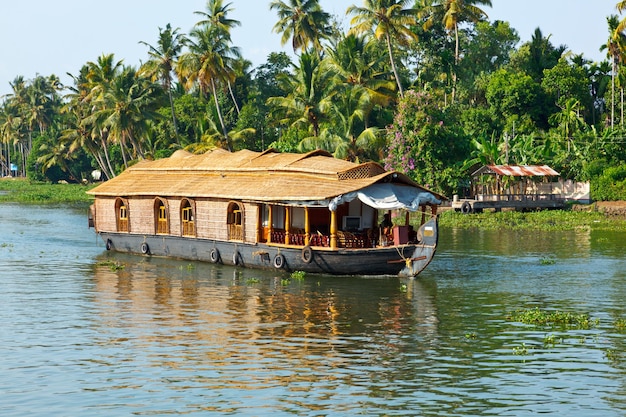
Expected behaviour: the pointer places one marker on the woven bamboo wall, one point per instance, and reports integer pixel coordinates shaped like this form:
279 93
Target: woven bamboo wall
209 217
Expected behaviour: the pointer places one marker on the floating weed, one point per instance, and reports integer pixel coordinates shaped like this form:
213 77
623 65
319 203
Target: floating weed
113 266
551 340
470 336
189 267
285 281
298 275
403 288
521 350
251 281
547 261
537 317
613 356
620 324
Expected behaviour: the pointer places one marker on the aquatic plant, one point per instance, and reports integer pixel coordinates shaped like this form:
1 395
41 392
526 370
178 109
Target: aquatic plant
620 324
522 349
547 261
298 275
251 281
537 317
113 266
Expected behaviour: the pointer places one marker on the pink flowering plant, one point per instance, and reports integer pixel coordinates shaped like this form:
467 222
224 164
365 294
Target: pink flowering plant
424 143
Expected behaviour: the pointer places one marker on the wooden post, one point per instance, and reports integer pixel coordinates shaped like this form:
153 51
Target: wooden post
287 224
333 230
270 222
423 215
307 226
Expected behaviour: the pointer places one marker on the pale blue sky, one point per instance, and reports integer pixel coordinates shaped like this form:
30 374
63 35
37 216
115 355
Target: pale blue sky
55 37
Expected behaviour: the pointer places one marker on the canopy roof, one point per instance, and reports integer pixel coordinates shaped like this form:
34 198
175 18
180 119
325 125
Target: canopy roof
314 178
516 170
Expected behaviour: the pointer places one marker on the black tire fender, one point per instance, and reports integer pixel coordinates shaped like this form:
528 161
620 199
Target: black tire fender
145 249
109 244
466 208
307 254
279 261
214 255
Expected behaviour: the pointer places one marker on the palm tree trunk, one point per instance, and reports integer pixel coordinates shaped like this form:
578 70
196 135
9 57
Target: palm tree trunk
232 96
219 115
169 93
393 65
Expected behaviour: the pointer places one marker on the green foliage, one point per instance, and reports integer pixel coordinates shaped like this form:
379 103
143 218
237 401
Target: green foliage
546 220
537 317
611 185
31 192
425 143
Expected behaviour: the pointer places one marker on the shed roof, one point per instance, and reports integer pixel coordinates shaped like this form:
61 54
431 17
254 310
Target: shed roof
516 170
267 176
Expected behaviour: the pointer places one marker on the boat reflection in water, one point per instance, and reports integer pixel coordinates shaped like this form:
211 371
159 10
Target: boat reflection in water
249 329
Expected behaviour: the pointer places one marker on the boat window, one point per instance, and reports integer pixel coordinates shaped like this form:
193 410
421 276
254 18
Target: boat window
160 210
234 221
187 218
121 214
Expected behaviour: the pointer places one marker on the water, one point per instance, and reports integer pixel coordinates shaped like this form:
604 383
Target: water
80 336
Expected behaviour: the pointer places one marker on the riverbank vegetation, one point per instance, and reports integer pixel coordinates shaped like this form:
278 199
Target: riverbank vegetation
432 88
24 191
546 220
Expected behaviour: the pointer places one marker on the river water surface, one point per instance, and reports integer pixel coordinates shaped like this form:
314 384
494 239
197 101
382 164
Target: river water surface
85 332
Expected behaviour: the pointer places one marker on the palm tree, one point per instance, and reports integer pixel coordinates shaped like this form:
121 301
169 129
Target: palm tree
569 120
356 61
348 137
211 57
454 12
389 20
310 95
162 61
303 21
616 48
126 109
621 6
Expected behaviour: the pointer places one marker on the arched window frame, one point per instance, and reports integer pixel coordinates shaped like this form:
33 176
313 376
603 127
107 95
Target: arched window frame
188 217
161 217
122 215
235 220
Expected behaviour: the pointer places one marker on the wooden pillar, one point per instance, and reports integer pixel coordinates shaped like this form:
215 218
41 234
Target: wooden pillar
287 224
307 226
270 222
423 215
333 230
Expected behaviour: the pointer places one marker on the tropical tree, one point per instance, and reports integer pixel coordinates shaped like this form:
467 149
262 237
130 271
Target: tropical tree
304 21
162 61
356 60
389 20
309 98
126 109
209 62
615 49
454 12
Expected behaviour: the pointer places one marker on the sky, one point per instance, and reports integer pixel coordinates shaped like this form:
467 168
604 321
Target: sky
43 37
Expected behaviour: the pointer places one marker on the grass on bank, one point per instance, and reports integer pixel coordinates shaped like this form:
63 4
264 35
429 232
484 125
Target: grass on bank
546 220
23 191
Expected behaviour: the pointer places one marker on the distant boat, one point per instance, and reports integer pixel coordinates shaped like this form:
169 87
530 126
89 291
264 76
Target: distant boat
285 211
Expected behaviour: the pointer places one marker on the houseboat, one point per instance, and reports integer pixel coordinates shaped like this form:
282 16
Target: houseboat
295 212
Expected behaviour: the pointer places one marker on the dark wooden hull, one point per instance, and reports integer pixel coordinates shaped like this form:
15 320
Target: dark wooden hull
405 260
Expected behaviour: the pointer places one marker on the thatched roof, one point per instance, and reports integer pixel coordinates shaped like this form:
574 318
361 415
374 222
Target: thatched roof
267 176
